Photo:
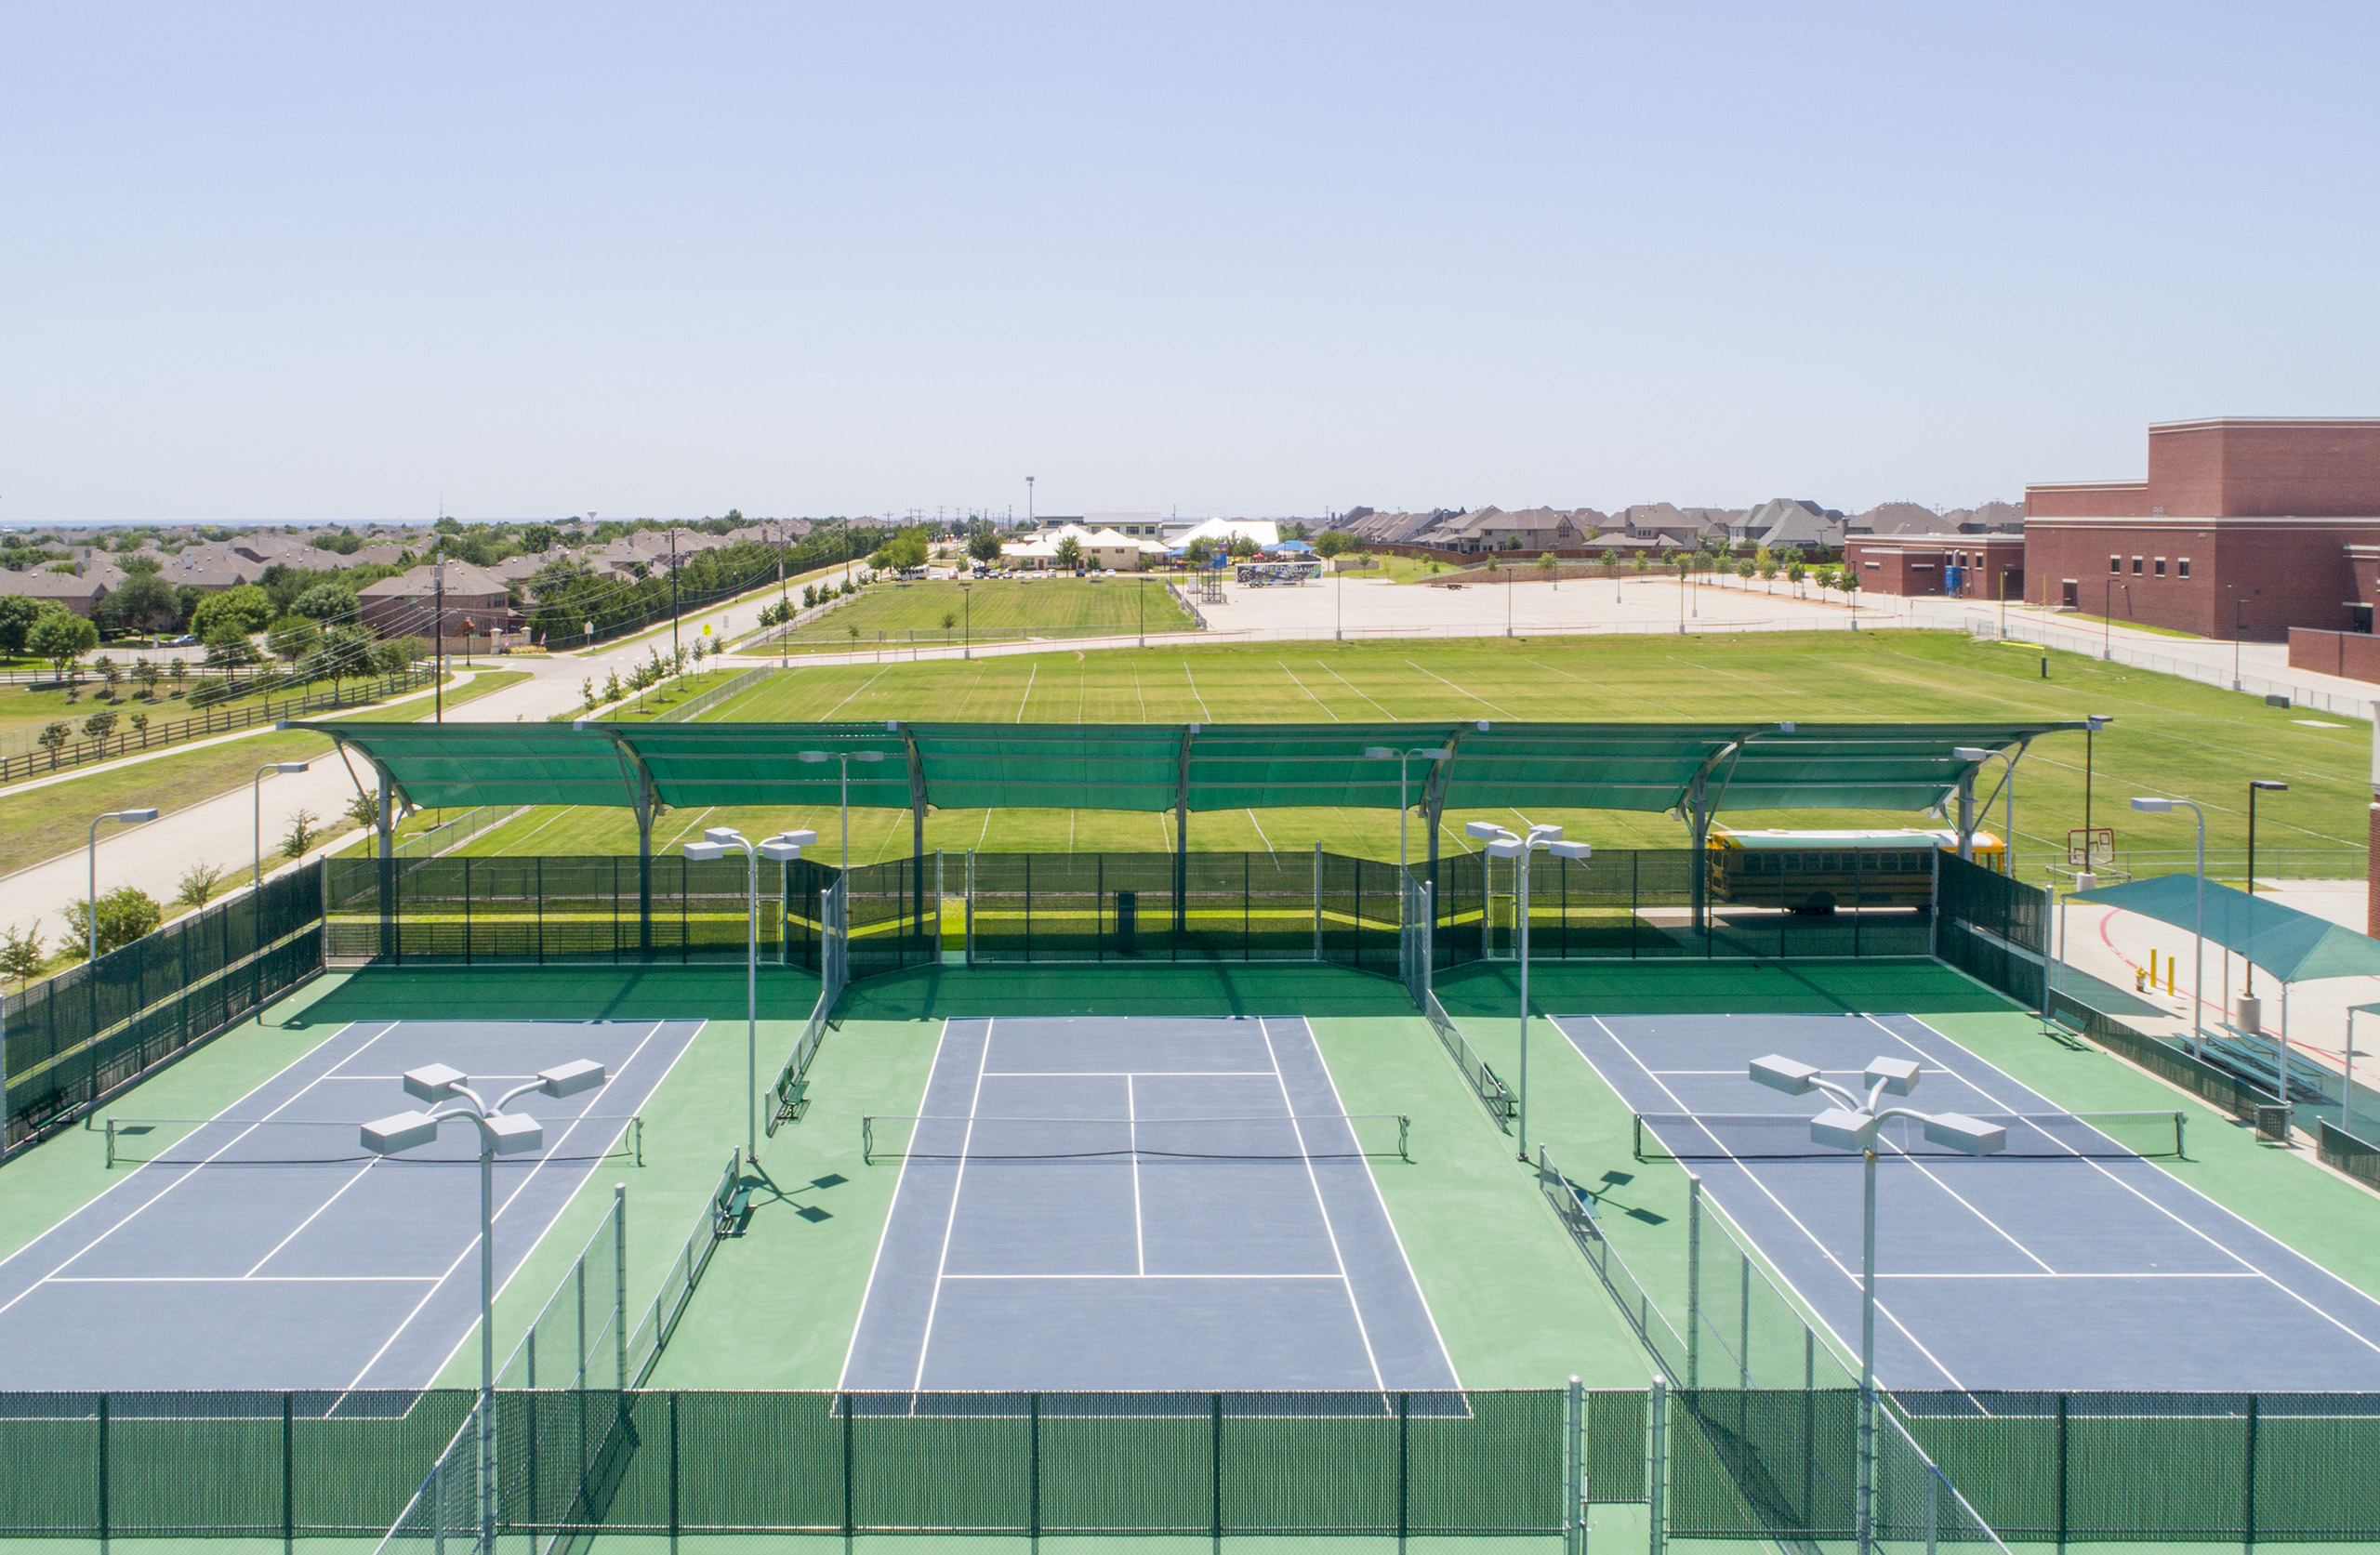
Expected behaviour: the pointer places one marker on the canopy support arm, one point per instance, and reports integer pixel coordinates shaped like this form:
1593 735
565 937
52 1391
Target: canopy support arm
1434 796
644 798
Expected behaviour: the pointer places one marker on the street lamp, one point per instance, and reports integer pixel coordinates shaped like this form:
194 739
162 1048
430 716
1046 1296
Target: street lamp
785 847
2255 787
91 922
256 884
967 605
501 1133
2197 970
1979 755
846 758
1851 1124
1388 753
1504 844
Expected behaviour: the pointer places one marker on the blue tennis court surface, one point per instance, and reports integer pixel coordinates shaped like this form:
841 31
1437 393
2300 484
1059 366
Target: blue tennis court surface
1993 1273
1070 1216
270 1251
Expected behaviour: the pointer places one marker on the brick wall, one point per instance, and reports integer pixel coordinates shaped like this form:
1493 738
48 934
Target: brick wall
2094 499
2266 469
2355 655
2266 576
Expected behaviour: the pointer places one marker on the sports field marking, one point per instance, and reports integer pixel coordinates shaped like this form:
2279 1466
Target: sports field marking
1603 686
1358 691
2197 1230
1259 833
1132 1142
1318 701
1140 696
1268 1279
1194 691
1473 695
1118 1074
240 1279
1027 695
829 714
883 1237
1798 1224
1771 686
2088 1275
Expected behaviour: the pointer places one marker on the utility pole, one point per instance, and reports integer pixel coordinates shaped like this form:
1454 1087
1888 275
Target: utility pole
438 637
1028 502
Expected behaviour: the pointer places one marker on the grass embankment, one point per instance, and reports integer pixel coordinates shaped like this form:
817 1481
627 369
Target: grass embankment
38 823
2172 736
994 610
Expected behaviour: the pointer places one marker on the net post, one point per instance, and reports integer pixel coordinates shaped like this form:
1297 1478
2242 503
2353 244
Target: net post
1693 1279
1657 1467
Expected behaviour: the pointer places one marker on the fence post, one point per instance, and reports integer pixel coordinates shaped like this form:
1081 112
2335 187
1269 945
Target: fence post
1215 1472
2248 1519
848 1529
1693 1279
673 1472
1404 1469
1574 1476
970 906
103 1474
619 1286
2062 1399
1033 1468
288 1475
1657 1469
1318 900
1934 906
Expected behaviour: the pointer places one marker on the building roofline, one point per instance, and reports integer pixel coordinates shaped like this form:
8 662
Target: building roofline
2364 423
2195 520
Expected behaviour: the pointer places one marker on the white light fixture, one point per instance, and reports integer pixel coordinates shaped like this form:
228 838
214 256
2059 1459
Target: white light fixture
2154 806
1779 1073
434 1081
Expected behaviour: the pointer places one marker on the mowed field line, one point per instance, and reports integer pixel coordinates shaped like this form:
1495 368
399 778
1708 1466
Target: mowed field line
2171 735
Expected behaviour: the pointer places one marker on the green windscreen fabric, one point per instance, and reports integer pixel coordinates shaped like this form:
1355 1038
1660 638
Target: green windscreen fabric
458 765
2292 946
1490 764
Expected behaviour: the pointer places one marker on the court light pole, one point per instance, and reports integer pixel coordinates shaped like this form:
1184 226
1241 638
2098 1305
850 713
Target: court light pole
2092 724
2255 787
2198 967
1504 844
1851 1124
257 882
501 1133
785 847
1390 753
967 607
846 758
91 919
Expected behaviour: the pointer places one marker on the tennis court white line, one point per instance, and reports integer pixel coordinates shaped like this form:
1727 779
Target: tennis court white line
1122 1073
1754 1178
900 1184
2135 1190
2027 1274
1133 1140
245 1280
129 1215
1315 1182
336 1195
958 1181
1339 1277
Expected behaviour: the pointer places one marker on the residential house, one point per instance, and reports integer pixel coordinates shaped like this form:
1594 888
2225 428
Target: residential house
477 603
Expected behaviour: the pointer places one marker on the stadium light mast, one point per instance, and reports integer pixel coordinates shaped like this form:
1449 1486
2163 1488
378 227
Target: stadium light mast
2198 967
501 1133
1851 1124
1390 753
1504 844
846 758
785 847
91 918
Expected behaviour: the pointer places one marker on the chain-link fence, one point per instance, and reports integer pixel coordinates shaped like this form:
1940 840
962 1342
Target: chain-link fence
70 1041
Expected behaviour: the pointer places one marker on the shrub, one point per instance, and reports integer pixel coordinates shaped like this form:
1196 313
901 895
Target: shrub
198 885
126 914
305 828
21 955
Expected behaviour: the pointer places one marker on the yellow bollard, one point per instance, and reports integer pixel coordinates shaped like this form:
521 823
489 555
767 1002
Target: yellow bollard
2169 976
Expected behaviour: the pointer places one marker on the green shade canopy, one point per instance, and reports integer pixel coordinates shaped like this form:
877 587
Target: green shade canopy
1202 767
2290 945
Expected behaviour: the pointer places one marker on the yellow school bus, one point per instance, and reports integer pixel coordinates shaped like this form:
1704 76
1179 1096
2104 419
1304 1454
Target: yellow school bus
1815 872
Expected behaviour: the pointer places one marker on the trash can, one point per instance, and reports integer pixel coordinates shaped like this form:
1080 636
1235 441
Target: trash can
1128 920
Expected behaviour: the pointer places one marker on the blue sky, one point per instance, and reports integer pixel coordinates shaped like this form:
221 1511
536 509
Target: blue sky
338 262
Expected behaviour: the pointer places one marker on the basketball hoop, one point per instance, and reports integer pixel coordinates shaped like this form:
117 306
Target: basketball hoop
2090 846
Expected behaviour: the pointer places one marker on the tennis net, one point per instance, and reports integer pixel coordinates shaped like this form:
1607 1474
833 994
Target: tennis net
180 1141
1786 1137
1280 1137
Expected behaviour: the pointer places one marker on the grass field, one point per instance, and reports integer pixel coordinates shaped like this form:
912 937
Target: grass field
992 611
2171 736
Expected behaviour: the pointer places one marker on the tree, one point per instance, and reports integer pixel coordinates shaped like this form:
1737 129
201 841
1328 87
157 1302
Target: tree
1069 552
247 608
126 914
100 725
536 538
17 616
345 650
364 810
53 737
21 955
1197 551
143 603
325 601
291 638
949 619
982 542
228 646
139 723
1329 542
61 637
1794 574
903 550
305 827
198 885
1549 564
1243 546
146 675
1611 556
111 675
